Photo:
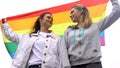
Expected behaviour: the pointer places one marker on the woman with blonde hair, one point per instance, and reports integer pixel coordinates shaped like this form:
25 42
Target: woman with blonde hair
83 40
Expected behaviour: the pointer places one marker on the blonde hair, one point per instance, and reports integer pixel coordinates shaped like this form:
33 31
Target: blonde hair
85 16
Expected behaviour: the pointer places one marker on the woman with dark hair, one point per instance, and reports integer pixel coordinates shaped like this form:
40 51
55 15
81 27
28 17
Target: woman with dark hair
83 39
38 25
39 49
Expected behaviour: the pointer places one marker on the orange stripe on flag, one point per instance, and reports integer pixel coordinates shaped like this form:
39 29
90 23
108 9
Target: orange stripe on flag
59 18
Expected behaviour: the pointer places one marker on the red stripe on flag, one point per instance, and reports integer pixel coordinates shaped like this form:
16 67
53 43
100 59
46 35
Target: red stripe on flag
58 9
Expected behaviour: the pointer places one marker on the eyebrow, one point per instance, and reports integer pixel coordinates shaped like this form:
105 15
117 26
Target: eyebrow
72 11
50 17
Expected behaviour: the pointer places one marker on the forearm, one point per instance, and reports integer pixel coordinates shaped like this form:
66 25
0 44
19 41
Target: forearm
9 33
111 18
116 5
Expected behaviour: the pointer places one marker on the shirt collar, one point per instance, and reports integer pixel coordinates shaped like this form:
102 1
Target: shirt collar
51 34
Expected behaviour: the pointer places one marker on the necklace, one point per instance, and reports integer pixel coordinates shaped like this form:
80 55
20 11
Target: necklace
74 35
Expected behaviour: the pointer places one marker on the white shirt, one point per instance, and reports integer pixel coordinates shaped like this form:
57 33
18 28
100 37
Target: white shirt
38 48
56 54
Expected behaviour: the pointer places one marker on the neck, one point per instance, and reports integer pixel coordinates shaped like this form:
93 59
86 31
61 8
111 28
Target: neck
44 30
79 25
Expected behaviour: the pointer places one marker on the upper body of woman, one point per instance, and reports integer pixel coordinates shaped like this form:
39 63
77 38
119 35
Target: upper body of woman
83 40
41 47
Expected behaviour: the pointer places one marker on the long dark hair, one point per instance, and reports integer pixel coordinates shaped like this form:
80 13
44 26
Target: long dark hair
37 25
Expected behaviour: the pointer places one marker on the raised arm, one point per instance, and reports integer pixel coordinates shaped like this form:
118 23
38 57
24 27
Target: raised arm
110 19
9 33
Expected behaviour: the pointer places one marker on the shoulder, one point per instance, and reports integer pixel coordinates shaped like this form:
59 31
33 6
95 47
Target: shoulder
70 28
56 36
24 36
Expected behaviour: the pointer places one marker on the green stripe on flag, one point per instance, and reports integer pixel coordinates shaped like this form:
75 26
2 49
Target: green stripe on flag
11 47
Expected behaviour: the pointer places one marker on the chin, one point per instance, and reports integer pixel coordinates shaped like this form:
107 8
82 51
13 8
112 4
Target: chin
74 21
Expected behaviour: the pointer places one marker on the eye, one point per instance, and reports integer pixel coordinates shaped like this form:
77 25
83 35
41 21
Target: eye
71 11
49 17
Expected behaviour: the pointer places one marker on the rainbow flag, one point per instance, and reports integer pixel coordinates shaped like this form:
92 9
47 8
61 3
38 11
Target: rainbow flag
23 23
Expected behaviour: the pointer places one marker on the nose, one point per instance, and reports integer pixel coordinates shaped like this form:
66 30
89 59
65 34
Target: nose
70 15
51 19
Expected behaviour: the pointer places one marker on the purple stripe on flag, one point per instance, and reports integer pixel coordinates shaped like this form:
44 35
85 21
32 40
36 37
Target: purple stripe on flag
102 40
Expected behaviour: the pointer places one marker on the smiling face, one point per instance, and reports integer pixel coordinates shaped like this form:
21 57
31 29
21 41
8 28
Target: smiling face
46 21
75 15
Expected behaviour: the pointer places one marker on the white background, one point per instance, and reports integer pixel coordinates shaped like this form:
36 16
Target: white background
110 52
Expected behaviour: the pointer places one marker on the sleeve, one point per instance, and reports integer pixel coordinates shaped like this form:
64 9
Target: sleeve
63 54
65 38
10 34
110 19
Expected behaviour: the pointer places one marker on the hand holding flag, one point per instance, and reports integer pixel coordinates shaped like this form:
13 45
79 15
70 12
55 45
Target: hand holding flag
4 20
